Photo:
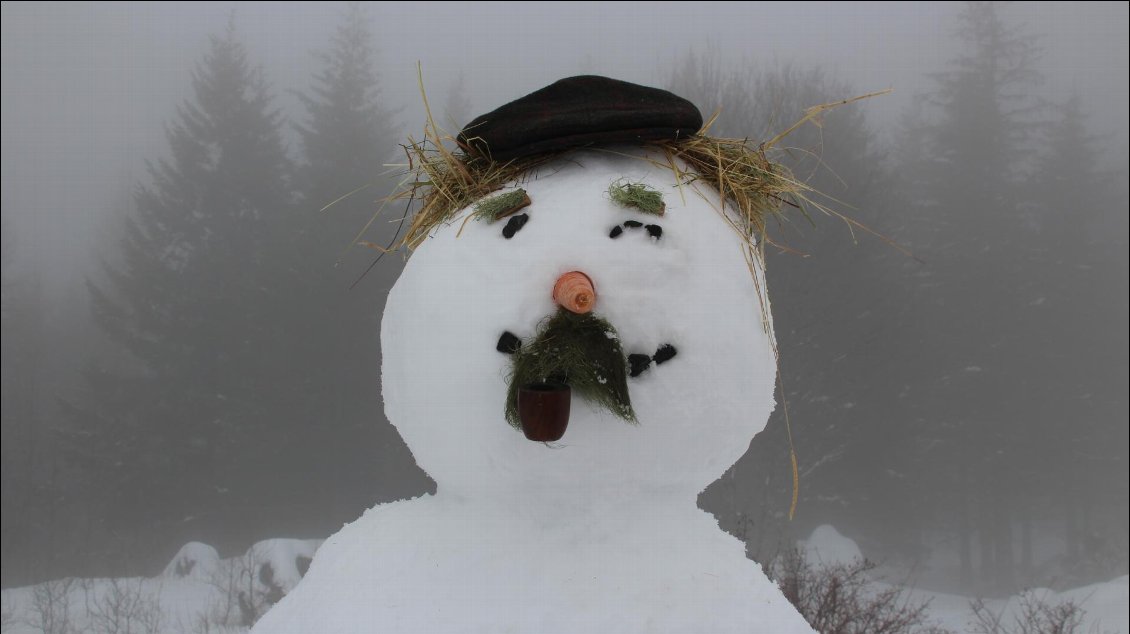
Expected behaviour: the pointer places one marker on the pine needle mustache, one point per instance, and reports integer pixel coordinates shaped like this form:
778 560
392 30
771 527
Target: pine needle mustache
581 351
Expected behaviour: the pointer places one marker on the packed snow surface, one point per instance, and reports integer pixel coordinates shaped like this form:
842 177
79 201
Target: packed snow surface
176 602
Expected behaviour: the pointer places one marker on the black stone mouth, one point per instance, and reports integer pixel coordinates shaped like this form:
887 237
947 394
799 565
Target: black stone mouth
640 363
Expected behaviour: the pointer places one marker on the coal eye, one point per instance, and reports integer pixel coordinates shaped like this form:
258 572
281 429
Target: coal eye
514 225
508 343
639 363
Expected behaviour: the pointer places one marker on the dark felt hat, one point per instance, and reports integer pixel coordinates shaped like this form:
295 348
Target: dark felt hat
580 111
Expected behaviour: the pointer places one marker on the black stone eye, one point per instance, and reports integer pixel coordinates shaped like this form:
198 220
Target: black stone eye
633 224
654 231
514 225
615 233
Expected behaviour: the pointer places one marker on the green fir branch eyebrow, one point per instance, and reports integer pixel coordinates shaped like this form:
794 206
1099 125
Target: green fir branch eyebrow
637 196
499 206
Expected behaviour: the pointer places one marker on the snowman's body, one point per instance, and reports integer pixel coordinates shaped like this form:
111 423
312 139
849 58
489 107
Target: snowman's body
598 532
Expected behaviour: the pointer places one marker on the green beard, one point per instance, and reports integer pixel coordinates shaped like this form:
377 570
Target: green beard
581 351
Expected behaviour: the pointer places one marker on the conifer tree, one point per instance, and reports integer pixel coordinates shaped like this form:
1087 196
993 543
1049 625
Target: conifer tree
348 134
1078 266
968 221
26 443
351 457
1071 190
185 298
457 106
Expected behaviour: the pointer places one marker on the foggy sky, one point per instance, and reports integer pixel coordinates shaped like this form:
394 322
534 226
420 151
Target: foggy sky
87 87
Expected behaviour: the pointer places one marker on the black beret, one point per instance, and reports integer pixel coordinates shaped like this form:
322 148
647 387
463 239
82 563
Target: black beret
580 111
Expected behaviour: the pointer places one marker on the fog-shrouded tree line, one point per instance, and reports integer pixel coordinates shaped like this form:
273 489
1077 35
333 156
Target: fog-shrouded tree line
960 405
963 399
240 397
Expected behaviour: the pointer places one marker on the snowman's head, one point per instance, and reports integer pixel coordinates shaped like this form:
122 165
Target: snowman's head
688 282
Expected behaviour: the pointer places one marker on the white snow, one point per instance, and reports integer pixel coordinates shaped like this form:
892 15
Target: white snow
194 604
193 561
600 531
284 555
197 592
827 547
1104 607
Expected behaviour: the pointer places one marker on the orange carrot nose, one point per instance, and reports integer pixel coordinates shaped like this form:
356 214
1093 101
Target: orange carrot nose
574 292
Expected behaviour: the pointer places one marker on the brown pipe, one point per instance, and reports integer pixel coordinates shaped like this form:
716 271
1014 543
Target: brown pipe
543 409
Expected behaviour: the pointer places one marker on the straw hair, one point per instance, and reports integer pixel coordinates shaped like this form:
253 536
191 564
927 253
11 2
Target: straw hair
445 181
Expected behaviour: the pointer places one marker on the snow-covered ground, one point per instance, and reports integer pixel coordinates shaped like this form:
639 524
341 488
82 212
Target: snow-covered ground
1104 607
199 592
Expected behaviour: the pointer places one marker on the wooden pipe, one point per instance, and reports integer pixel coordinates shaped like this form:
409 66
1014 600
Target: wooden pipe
543 409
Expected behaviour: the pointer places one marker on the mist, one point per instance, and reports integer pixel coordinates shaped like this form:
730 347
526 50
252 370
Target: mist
954 365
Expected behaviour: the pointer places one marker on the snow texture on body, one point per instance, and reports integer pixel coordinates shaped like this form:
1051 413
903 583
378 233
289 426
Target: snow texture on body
598 532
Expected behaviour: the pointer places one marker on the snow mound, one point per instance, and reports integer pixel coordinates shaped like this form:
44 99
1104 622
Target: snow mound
282 563
828 547
194 560
1105 605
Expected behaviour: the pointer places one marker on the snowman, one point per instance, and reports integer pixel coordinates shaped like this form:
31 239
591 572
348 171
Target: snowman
578 345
